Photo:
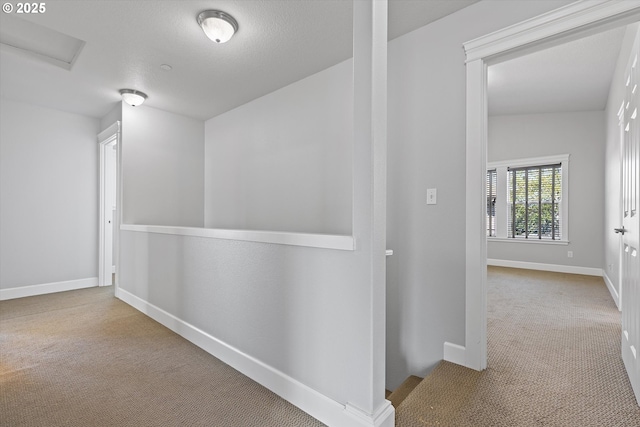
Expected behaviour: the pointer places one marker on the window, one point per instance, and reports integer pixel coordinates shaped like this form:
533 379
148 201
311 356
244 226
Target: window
527 199
535 194
491 202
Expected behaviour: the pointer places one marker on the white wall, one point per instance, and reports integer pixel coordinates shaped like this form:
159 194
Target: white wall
302 317
283 162
612 214
425 276
582 136
300 311
162 168
48 196
300 304
111 117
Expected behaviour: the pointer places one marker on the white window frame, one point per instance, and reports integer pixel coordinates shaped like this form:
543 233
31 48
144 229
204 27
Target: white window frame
502 205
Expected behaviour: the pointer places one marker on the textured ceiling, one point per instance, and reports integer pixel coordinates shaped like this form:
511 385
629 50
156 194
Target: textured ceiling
575 76
279 42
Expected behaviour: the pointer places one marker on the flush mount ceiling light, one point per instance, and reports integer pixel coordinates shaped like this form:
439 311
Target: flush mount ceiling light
132 97
217 25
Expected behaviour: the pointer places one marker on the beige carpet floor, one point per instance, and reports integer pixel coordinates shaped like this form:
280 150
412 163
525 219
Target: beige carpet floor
554 360
83 358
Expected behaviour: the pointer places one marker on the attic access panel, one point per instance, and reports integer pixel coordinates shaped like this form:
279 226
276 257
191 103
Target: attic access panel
36 41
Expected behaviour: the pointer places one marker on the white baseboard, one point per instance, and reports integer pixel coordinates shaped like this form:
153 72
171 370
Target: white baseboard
316 404
588 271
384 417
455 353
47 288
612 289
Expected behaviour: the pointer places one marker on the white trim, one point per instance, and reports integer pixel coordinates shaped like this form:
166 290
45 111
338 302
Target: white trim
557 268
309 400
570 19
384 416
47 288
612 290
531 161
475 225
110 135
454 353
326 241
526 241
553 27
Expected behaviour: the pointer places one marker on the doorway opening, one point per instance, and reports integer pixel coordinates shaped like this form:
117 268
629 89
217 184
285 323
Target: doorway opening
571 22
109 142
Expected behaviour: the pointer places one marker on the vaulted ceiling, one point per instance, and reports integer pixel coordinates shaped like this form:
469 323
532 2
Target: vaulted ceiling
278 42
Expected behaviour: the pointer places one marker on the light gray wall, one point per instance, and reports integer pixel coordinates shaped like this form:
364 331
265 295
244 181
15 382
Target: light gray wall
612 214
48 195
305 312
283 162
425 276
112 116
162 168
301 311
582 136
316 297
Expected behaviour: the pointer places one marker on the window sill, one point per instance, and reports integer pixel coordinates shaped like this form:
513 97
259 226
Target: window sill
324 241
528 241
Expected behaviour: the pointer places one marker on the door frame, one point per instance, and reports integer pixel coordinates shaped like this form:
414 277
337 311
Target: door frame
567 23
107 138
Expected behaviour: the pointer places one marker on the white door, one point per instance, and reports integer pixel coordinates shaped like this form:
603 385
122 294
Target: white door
107 249
630 293
109 210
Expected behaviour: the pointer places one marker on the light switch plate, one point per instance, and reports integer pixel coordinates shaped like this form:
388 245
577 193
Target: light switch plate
432 196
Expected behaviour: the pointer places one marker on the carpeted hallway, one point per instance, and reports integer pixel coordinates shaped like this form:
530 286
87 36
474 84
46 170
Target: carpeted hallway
85 359
554 360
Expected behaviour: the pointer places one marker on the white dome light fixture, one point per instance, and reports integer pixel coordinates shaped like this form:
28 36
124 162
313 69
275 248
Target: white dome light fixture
132 97
217 25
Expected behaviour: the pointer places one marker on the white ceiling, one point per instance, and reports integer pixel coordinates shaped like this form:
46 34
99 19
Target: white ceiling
575 76
279 42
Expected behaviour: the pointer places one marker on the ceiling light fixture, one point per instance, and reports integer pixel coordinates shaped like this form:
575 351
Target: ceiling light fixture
132 97
217 25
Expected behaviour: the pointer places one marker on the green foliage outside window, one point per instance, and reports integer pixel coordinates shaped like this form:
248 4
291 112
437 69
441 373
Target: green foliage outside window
534 202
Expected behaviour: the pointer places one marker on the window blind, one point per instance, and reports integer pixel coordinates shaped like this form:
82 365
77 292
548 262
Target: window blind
535 195
492 178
